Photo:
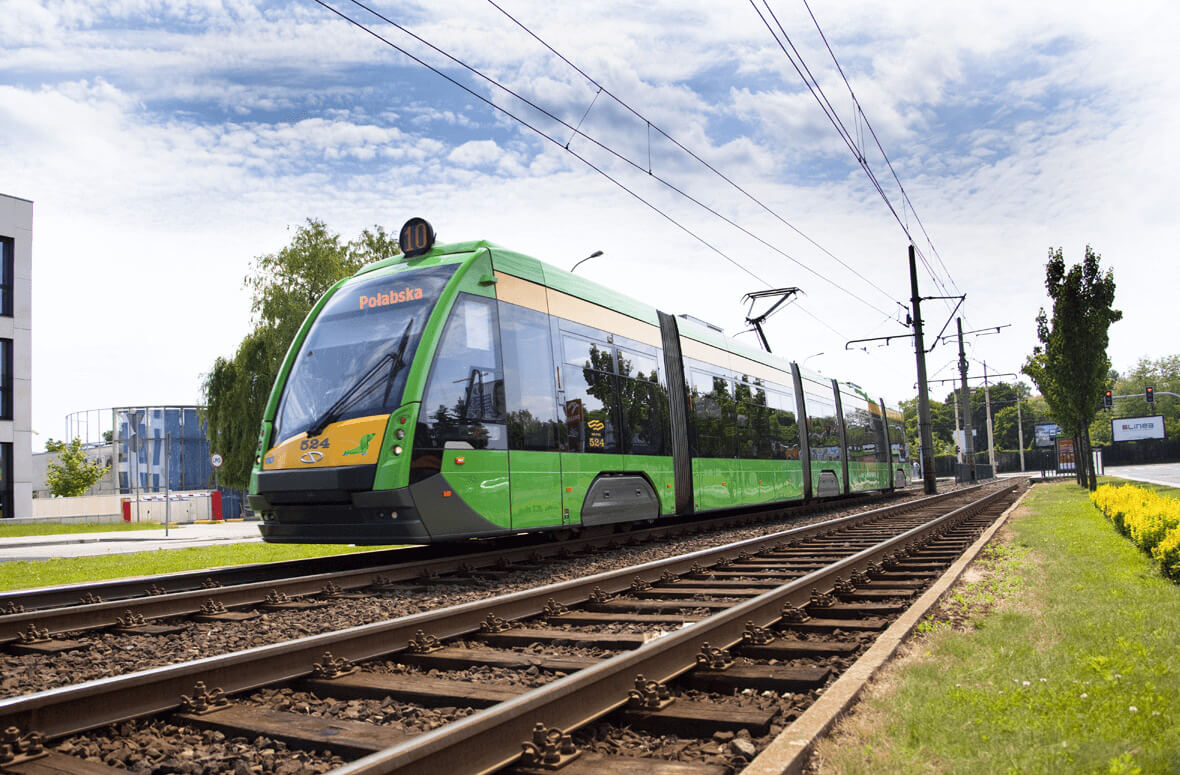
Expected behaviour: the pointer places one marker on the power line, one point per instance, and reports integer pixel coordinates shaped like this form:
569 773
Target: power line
873 133
577 132
833 117
652 126
536 130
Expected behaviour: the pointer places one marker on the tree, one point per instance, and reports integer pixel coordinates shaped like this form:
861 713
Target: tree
71 474
1070 365
285 286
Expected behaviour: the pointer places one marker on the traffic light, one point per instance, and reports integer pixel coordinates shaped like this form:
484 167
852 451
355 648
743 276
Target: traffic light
1150 394
1108 399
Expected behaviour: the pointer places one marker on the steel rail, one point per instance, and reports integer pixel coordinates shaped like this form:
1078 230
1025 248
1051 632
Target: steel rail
66 595
106 613
491 739
72 709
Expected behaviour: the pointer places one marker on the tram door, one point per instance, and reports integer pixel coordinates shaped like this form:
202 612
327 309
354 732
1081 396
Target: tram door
588 396
533 416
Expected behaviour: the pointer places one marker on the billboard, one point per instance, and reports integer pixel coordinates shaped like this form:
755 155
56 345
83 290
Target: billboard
1046 433
1137 428
1066 461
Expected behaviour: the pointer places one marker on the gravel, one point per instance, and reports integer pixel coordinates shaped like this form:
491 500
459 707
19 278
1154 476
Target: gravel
159 747
110 654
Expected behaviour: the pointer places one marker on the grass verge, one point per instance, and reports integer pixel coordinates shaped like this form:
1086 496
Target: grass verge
43 573
56 528
1059 654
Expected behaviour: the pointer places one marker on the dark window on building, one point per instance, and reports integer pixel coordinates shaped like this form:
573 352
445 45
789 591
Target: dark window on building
591 398
5 379
6 481
643 404
713 411
533 421
823 424
463 407
7 251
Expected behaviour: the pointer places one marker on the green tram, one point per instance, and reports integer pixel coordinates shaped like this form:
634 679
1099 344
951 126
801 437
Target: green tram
465 390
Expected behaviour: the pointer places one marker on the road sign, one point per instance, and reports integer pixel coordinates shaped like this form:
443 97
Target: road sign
215 460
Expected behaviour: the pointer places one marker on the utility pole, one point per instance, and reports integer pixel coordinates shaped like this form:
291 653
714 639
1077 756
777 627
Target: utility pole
1019 427
968 429
958 447
925 435
987 400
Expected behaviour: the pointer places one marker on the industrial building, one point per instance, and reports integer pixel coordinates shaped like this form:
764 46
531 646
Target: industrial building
149 450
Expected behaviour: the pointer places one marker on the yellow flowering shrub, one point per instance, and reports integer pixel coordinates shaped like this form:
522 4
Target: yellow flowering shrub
1151 520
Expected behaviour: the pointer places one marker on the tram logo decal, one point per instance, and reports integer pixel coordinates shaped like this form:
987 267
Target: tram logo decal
312 456
363 447
390 297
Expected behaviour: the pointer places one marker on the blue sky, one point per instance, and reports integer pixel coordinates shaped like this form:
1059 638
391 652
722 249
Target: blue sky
166 142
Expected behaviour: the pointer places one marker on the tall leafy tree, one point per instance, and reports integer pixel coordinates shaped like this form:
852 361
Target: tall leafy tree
285 285
1070 365
71 474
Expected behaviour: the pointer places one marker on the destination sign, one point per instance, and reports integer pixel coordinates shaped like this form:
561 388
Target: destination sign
386 298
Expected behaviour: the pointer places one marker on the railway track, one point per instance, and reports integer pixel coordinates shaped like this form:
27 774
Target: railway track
666 645
35 618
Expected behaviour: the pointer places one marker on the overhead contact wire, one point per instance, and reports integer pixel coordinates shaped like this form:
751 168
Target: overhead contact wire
540 132
884 155
825 105
685 149
578 132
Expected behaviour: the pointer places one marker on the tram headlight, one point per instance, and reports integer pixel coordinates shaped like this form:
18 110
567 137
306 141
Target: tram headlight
397 449
400 433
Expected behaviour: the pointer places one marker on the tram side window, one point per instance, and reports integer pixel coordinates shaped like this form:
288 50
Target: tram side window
861 424
879 436
463 406
714 414
857 430
753 423
823 425
898 440
533 421
643 403
782 438
591 400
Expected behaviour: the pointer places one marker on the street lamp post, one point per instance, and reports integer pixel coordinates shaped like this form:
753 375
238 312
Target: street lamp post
595 254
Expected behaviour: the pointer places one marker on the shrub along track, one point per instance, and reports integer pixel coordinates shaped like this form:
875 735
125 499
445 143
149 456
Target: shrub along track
824 586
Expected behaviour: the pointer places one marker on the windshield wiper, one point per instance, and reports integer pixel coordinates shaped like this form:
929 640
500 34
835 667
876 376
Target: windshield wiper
353 394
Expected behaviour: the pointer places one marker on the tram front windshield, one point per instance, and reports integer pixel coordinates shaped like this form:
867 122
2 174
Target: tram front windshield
356 357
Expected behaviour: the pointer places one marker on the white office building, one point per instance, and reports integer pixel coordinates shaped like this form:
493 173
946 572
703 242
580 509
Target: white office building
16 361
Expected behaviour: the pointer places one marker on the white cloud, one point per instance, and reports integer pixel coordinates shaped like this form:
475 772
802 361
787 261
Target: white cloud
1014 126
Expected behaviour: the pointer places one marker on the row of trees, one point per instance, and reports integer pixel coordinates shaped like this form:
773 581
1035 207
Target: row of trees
1004 395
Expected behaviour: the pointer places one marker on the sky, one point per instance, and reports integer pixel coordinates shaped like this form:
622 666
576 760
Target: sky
165 143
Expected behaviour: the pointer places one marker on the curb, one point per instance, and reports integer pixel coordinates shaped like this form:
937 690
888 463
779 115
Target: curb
788 753
195 536
1129 478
